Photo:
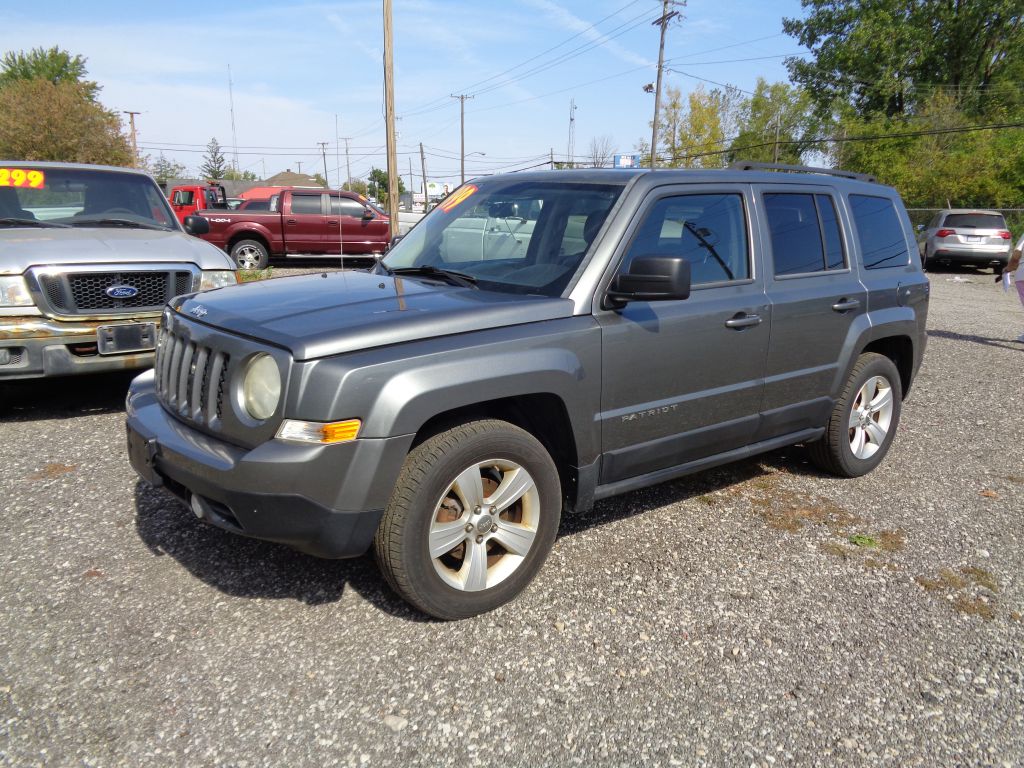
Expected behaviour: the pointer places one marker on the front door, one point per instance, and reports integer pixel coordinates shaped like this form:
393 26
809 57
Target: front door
348 231
305 223
683 380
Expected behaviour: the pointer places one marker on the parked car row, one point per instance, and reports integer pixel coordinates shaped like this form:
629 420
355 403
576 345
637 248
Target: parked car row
969 237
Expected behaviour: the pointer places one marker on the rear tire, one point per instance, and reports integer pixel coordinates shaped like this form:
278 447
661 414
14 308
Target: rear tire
250 254
472 518
863 421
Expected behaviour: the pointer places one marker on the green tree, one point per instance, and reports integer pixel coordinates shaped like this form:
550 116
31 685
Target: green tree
378 185
42 120
319 179
214 166
53 65
693 136
232 175
887 56
163 169
774 111
358 186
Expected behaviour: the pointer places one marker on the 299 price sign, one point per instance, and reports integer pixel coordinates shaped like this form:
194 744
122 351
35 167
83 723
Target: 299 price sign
19 177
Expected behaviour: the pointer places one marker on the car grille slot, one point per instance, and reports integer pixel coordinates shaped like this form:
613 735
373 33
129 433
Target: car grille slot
88 293
191 379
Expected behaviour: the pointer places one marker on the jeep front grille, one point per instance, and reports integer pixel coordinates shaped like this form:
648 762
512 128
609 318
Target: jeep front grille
85 293
191 379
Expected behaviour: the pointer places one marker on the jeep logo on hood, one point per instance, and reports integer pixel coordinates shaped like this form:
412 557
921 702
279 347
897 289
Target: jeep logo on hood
122 291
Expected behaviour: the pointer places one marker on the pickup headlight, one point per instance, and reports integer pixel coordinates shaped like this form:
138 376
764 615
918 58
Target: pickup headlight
217 278
261 387
14 292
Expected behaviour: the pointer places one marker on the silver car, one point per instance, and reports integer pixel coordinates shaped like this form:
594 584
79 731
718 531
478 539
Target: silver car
967 236
89 256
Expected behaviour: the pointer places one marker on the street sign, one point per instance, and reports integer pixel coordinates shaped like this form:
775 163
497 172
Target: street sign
626 161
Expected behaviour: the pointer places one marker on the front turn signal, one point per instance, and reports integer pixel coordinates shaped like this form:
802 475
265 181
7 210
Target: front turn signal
318 432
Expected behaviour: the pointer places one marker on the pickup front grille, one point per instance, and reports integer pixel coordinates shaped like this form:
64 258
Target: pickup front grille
191 379
85 293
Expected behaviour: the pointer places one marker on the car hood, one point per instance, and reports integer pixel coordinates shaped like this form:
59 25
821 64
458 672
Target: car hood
24 247
331 313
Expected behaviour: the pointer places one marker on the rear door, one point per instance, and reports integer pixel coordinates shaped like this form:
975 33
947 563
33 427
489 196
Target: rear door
305 223
682 380
815 296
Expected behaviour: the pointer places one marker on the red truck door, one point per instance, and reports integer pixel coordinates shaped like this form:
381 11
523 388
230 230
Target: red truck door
358 234
183 201
304 223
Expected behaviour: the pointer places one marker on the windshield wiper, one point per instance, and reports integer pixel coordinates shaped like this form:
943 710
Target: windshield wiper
711 249
117 223
11 221
453 277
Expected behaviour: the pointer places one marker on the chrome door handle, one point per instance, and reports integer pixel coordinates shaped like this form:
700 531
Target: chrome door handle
743 321
845 305
291 221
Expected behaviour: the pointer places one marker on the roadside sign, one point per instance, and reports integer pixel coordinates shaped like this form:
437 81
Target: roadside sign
626 161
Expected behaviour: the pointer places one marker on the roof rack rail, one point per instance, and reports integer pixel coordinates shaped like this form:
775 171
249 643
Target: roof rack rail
746 165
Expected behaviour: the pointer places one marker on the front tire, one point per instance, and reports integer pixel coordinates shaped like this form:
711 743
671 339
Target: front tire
472 518
250 254
863 421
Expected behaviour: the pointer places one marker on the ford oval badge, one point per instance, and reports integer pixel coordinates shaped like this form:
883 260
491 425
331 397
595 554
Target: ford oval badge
122 291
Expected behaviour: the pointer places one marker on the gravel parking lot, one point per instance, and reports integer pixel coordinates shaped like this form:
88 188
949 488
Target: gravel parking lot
760 614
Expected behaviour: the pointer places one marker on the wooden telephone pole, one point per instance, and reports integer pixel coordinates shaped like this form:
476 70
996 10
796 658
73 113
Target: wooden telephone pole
135 144
462 134
389 116
666 17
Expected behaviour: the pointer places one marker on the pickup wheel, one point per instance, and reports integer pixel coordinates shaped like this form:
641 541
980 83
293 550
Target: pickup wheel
250 254
471 520
863 421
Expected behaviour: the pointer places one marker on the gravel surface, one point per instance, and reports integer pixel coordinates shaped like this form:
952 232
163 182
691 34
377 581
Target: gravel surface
756 615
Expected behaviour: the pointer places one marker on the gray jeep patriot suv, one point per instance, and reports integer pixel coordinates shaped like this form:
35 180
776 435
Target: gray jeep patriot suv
538 342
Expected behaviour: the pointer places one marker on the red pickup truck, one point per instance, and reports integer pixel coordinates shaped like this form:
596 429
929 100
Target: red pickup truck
300 222
187 200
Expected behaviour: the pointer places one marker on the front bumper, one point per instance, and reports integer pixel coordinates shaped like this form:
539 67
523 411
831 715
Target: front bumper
325 500
37 346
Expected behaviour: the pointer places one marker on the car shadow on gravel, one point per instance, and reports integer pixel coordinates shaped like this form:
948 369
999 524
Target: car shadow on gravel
986 340
243 567
64 397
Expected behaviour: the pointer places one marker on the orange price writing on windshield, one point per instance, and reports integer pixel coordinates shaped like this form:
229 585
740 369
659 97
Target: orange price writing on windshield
457 197
19 177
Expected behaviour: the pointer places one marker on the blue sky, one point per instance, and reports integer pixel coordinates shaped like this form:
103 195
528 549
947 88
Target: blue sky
297 65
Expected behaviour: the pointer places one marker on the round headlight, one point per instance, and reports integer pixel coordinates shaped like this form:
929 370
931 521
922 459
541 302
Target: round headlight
261 387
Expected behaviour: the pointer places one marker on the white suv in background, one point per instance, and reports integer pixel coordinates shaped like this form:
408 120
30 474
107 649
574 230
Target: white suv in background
967 236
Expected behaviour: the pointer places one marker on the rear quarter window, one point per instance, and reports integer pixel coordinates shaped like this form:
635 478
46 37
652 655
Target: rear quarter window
883 243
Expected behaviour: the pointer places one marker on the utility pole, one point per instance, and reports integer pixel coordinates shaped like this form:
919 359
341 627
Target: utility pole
337 149
234 135
135 144
572 133
412 183
263 162
552 158
462 133
666 17
389 116
775 154
299 163
423 170
323 151
348 167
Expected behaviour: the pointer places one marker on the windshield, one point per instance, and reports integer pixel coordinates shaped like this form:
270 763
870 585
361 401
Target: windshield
975 220
509 235
83 198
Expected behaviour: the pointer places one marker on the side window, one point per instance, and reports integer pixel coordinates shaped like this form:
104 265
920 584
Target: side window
830 228
183 197
708 230
305 203
796 235
882 241
346 206
805 233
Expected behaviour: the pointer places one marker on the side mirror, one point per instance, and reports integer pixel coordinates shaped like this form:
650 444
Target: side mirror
652 278
197 225
368 214
394 241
